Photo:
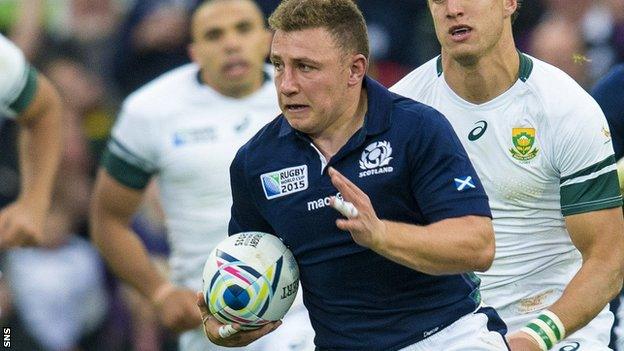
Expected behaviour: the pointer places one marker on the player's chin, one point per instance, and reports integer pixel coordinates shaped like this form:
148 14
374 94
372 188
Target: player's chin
464 54
298 122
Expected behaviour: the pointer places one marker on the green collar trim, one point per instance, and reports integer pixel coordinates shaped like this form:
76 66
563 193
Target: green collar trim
525 69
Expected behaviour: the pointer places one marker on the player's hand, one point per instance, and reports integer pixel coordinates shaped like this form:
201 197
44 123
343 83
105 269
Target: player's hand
365 227
229 335
21 225
520 341
176 309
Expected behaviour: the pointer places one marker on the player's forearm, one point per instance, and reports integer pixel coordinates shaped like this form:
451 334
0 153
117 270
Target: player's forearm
40 150
450 246
597 282
125 254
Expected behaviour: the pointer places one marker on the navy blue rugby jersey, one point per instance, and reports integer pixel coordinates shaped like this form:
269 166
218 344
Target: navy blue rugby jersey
608 94
409 161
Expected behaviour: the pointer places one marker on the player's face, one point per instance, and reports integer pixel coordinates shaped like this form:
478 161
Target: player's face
468 29
230 44
311 77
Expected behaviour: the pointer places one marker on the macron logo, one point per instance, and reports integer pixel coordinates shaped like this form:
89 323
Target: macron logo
462 183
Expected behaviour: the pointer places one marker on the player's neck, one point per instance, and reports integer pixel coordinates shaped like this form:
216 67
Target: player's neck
334 137
237 92
486 77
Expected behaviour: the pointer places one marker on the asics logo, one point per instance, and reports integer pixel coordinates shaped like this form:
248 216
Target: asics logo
573 346
477 131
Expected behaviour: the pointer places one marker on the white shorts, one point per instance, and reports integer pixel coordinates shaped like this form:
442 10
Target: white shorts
472 332
196 340
619 330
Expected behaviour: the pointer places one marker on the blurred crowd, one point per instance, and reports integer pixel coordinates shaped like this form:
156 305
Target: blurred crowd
60 296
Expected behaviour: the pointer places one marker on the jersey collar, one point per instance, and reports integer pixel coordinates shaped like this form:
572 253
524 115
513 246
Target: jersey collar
524 71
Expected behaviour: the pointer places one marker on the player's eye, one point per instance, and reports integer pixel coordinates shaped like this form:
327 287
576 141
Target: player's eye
278 66
305 68
213 35
244 27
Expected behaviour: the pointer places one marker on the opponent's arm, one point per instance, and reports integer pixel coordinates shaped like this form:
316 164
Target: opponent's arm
598 235
40 147
112 208
453 245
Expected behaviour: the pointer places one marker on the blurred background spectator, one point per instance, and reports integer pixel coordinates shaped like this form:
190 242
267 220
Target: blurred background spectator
98 51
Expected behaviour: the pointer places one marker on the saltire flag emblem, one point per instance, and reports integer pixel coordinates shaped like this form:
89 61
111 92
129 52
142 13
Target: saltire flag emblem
464 182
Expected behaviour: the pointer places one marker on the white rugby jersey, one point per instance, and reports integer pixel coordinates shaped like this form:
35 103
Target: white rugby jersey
18 80
187 134
543 151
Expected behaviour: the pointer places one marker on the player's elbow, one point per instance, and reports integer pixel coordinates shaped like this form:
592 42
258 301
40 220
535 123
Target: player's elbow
485 249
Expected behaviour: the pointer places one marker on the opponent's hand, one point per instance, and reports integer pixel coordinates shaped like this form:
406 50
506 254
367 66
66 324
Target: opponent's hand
176 309
229 335
21 225
520 341
365 227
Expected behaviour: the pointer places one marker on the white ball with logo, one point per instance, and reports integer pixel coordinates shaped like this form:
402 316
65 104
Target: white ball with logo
250 278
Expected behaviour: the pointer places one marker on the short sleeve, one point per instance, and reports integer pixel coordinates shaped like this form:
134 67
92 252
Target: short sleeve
583 154
131 155
444 182
18 80
245 213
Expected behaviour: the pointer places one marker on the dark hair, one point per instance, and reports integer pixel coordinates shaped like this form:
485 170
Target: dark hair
342 18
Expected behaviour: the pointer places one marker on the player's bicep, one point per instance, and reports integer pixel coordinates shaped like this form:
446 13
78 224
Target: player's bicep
38 100
113 201
598 233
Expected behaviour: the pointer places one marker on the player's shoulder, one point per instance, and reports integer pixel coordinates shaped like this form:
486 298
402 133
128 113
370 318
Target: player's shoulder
164 92
12 63
409 114
8 50
418 80
559 94
551 83
264 139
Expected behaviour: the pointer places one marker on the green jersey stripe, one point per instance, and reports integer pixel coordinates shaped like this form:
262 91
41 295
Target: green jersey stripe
125 172
27 94
591 195
610 160
123 152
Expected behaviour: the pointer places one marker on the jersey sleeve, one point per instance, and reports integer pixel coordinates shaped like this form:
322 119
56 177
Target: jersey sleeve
131 156
584 157
18 80
444 182
245 213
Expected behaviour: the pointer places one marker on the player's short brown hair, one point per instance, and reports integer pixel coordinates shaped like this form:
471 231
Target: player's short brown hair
342 18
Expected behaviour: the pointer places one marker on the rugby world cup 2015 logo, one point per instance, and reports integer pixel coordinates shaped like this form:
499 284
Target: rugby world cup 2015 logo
285 181
376 158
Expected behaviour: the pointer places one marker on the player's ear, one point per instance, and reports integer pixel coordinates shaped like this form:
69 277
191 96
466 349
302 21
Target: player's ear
192 52
357 70
510 7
